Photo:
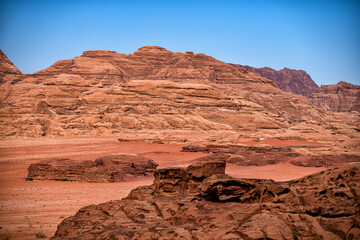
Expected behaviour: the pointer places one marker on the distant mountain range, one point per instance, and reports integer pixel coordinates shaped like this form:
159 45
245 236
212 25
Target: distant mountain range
341 97
105 92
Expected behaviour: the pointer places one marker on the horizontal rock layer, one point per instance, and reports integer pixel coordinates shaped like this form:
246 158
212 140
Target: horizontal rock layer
341 97
266 155
288 80
112 168
157 94
102 92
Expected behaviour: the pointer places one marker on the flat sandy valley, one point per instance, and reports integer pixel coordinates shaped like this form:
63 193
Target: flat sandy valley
31 207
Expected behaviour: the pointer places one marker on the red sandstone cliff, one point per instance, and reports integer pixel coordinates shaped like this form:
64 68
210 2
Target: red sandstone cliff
340 97
288 80
159 92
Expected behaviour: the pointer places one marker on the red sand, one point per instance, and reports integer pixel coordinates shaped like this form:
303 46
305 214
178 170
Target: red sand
29 207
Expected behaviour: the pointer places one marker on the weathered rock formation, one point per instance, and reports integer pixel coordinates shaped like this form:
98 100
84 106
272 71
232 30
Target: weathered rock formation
191 203
341 97
155 91
8 71
288 80
101 92
112 168
267 155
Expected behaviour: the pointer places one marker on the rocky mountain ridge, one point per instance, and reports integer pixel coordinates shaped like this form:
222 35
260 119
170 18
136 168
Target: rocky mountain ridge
288 80
340 97
154 92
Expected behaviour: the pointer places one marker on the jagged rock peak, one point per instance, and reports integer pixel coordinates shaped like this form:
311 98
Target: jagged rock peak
6 66
291 69
288 80
346 84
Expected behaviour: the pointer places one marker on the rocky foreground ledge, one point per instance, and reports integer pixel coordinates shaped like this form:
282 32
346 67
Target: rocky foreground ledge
201 202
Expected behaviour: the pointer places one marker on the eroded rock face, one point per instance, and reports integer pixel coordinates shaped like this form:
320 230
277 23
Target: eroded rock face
320 206
8 71
288 80
179 181
341 97
154 94
112 168
104 92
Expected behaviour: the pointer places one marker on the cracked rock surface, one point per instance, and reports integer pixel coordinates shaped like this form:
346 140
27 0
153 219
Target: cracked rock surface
201 202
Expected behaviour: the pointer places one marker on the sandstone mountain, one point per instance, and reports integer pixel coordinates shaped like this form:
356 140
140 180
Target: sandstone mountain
155 91
288 80
201 202
340 97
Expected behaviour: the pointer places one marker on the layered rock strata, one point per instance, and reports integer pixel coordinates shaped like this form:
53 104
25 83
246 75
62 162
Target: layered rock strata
340 97
154 94
288 80
187 204
102 92
266 155
112 168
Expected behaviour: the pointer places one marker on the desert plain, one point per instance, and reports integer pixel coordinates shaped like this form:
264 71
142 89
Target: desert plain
28 207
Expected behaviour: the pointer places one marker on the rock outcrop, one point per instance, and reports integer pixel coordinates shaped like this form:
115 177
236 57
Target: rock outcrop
155 92
112 168
288 80
341 97
191 203
101 92
266 155
8 71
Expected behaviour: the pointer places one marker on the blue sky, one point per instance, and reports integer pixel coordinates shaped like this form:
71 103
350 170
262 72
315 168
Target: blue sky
320 37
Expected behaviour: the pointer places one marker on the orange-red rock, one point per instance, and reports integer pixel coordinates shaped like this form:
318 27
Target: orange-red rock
112 168
288 80
319 206
8 71
154 93
153 88
341 97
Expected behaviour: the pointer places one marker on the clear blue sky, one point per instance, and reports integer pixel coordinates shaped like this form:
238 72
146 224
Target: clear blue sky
320 37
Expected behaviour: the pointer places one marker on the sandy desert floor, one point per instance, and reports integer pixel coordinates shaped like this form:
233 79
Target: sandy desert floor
31 207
